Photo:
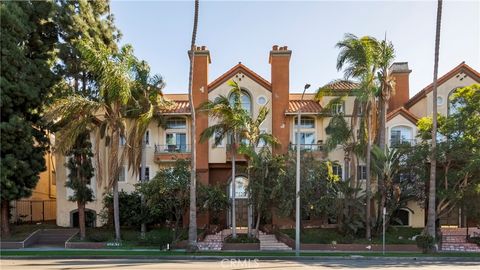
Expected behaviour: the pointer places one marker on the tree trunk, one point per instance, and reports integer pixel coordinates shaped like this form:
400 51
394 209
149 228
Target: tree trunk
81 219
5 219
431 229
192 226
382 123
234 222
116 212
257 225
368 191
143 226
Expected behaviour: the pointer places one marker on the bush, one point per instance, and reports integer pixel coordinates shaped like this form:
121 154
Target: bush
241 239
425 242
475 240
98 236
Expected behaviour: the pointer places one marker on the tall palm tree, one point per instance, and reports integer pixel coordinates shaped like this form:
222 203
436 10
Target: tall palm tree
357 59
431 218
104 117
255 138
192 227
144 107
231 121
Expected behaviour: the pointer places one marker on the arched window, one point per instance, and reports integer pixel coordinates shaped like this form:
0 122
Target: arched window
401 135
241 183
454 106
245 100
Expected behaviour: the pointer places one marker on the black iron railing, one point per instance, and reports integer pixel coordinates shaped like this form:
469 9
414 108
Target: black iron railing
172 148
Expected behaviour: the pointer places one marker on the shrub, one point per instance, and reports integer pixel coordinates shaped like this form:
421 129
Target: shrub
99 236
425 242
241 239
475 240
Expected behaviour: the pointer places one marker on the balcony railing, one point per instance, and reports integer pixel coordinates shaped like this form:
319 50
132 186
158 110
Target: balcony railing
402 142
172 148
308 147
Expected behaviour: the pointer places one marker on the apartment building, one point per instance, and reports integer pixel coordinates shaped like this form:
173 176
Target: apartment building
165 144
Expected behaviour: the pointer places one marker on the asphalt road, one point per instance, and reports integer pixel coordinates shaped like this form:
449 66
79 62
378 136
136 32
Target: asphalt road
127 264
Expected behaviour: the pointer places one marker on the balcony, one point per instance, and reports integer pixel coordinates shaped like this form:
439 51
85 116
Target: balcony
317 150
171 152
401 142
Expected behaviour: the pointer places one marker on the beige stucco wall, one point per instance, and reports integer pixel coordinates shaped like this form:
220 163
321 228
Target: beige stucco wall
417 218
444 91
218 154
400 120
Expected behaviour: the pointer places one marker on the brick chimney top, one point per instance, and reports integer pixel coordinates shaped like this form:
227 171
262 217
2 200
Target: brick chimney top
201 51
279 51
400 67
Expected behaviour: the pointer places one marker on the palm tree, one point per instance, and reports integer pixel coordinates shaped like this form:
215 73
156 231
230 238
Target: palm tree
231 121
431 218
357 59
145 105
255 138
192 227
104 117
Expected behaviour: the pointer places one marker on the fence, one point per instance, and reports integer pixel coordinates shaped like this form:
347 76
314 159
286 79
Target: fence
24 211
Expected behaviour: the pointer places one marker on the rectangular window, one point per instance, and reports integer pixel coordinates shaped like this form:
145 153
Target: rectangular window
176 123
176 142
337 108
361 172
147 137
217 137
395 137
147 173
121 174
307 140
337 170
305 122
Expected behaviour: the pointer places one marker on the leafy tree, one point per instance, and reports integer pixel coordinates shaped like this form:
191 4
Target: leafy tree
132 213
28 35
77 20
213 199
457 155
231 120
169 191
81 172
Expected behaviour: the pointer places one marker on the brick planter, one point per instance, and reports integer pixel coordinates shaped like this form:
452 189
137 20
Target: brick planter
30 240
346 247
86 245
241 246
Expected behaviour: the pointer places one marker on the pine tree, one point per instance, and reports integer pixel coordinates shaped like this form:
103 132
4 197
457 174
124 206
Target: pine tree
28 36
81 172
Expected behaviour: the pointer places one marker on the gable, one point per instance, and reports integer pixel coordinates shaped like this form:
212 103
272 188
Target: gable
236 70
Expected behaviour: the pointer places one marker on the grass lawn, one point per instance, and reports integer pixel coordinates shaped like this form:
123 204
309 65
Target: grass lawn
131 238
394 235
156 253
22 231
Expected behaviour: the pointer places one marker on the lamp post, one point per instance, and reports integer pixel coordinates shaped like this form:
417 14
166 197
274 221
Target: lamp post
297 189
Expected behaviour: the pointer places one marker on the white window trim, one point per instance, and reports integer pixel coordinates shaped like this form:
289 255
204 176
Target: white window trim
258 100
149 173
125 173
304 130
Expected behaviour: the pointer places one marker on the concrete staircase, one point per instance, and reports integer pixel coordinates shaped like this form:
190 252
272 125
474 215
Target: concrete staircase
270 242
53 237
454 239
212 242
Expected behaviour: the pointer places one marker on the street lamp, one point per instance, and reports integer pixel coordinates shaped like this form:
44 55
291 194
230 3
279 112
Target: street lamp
297 190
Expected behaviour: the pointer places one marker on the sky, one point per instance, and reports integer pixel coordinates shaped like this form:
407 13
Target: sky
245 31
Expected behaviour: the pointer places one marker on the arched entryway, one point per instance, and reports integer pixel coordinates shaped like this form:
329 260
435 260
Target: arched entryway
90 218
243 211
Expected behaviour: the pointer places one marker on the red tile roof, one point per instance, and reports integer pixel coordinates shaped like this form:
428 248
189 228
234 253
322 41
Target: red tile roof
178 107
341 85
307 106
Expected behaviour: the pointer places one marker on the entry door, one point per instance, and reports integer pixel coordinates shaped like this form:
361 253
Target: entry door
241 211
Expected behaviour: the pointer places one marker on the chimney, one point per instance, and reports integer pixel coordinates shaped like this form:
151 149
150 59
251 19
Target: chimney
401 74
280 80
200 95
